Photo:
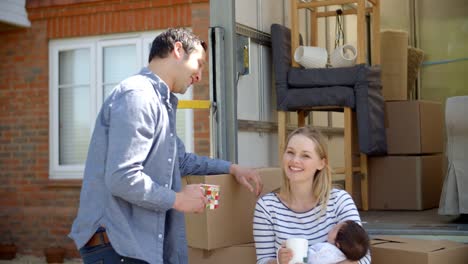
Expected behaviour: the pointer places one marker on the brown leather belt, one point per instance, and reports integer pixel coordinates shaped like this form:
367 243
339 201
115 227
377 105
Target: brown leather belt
97 239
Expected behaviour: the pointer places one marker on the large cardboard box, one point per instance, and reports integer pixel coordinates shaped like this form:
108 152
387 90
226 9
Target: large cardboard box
244 254
394 249
414 127
231 223
405 182
356 195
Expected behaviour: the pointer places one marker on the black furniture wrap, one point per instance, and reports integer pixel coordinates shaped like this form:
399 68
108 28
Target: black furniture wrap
358 87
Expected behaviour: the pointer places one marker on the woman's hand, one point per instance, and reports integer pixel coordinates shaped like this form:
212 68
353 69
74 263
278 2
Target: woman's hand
284 254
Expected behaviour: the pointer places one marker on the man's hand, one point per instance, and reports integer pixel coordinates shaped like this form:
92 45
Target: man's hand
247 177
190 199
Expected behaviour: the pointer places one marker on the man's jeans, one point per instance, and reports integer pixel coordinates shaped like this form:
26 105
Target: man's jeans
105 254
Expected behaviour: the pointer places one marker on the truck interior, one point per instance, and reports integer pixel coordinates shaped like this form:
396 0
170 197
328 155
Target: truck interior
243 103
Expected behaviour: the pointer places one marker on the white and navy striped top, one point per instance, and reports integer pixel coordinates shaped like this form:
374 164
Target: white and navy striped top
274 222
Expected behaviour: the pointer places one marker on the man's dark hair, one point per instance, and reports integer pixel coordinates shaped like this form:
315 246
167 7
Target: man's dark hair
352 240
163 44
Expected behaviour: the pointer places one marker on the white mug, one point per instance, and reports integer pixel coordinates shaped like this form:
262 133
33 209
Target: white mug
299 247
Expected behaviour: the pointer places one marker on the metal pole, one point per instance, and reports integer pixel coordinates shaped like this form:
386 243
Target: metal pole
223 79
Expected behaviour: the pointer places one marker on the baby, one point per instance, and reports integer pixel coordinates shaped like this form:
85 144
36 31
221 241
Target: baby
347 240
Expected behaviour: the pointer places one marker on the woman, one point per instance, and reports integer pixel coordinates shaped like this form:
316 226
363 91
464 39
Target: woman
307 206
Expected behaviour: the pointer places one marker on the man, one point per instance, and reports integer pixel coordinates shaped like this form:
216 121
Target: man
132 203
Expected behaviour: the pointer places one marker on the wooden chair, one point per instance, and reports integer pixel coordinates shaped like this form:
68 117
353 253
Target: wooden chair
338 98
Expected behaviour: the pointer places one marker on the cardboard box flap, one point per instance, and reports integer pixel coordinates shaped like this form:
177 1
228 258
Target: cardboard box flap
392 249
413 245
268 186
390 238
380 240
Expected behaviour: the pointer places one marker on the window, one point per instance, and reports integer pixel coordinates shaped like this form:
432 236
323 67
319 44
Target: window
83 71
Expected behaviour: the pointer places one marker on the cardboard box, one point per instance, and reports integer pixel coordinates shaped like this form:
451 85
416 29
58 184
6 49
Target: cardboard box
414 127
405 182
394 249
394 64
356 195
231 223
244 254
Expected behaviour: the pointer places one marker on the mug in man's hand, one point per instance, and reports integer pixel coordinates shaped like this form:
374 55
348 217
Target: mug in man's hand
299 247
211 193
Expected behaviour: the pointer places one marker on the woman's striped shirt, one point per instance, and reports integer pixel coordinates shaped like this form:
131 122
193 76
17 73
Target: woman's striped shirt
274 222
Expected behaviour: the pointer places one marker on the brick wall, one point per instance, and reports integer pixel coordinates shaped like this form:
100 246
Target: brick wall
36 212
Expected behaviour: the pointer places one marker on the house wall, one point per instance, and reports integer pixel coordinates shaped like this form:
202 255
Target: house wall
36 212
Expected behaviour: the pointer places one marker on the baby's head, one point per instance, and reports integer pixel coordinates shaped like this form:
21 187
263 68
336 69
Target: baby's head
350 238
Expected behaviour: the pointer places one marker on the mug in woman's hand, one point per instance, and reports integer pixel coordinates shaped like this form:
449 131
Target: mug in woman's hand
299 247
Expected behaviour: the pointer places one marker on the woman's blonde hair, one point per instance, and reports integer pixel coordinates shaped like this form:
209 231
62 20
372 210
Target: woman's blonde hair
322 182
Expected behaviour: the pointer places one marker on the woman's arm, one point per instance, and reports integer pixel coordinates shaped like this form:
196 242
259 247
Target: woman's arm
264 235
366 259
346 210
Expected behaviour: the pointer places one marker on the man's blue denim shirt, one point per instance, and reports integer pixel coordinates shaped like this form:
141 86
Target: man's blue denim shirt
133 170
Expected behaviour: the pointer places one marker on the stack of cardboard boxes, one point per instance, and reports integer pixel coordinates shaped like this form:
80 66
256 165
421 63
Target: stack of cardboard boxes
224 235
410 177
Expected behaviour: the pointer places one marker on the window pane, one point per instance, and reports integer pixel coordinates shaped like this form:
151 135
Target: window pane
74 106
184 122
74 67
74 122
108 88
119 62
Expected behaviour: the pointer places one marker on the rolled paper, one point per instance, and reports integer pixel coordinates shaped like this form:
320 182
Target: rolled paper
311 56
344 56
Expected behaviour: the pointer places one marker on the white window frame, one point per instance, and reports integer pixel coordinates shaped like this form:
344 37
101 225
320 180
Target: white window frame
95 46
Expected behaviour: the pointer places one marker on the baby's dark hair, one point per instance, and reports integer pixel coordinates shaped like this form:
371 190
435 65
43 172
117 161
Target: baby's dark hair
352 240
